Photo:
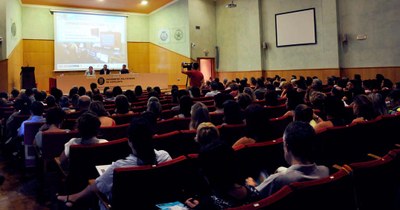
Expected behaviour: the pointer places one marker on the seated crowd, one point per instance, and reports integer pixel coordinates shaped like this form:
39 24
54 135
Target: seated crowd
312 106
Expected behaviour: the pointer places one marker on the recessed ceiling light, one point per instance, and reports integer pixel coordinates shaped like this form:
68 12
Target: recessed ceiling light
144 2
100 0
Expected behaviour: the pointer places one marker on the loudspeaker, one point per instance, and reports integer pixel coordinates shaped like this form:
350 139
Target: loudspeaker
28 77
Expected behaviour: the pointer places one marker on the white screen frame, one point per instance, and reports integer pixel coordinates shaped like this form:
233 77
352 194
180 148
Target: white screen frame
96 64
296 28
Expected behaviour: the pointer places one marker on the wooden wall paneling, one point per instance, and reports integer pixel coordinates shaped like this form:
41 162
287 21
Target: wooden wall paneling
392 73
231 75
15 62
138 57
322 74
40 54
4 75
162 60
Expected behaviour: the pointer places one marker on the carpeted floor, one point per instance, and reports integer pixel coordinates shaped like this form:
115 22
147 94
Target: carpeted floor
22 188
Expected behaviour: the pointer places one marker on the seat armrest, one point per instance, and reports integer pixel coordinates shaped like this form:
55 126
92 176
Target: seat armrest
102 198
58 162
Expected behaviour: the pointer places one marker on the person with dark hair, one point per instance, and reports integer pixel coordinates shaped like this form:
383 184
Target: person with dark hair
73 91
54 118
124 70
22 106
195 75
93 86
81 91
122 105
98 97
140 135
88 126
130 95
37 110
14 93
232 113
185 105
214 90
271 98
219 166
299 146
219 100
138 90
257 125
97 108
178 96
363 109
157 89
305 113
244 100
105 70
50 101
195 92
4 99
394 101
117 90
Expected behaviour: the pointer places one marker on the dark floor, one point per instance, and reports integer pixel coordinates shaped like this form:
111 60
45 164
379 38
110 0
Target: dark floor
22 188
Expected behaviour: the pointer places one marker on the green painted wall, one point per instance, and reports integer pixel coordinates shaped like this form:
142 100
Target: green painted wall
324 54
3 45
14 16
238 36
138 28
380 21
170 19
38 24
202 13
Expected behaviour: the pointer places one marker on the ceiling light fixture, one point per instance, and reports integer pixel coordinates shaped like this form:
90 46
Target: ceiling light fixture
144 2
231 5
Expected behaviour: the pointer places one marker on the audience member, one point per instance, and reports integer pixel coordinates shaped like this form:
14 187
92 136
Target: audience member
363 109
97 108
206 133
257 125
199 113
122 105
232 113
219 166
54 118
185 105
299 142
140 135
37 110
88 126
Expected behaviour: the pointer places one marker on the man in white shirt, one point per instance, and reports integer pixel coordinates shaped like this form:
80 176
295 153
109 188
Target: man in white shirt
90 71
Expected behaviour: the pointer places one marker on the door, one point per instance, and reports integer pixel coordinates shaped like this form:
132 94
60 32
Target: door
207 67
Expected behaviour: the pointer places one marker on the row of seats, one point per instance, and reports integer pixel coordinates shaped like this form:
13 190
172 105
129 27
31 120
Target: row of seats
367 185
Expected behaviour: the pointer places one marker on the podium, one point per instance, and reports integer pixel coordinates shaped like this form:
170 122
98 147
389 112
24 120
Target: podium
28 77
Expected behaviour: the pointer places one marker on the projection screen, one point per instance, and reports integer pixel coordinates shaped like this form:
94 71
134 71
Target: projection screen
295 28
82 40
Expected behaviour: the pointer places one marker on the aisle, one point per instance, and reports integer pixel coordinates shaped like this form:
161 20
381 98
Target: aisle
20 190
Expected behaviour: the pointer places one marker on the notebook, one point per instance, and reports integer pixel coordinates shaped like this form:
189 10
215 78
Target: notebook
176 205
102 168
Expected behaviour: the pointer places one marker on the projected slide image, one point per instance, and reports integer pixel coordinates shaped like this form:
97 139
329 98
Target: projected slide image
83 40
